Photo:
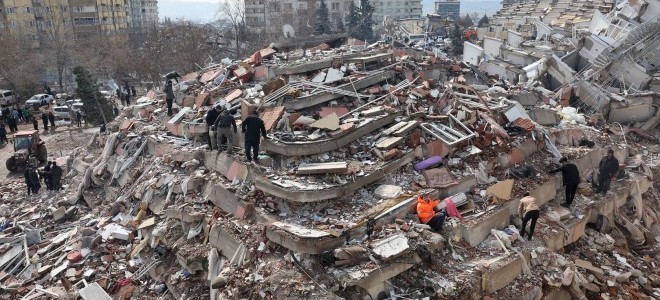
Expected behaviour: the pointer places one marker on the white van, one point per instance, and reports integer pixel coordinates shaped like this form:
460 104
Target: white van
7 97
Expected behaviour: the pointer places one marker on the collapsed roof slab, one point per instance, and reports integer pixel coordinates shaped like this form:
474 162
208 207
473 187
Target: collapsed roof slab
476 233
316 195
331 144
305 240
312 65
316 99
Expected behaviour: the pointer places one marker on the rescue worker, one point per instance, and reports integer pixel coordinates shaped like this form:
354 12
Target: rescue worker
3 134
570 176
211 117
56 177
47 176
223 126
529 211
32 180
427 214
44 119
607 168
169 96
78 118
35 124
251 127
51 118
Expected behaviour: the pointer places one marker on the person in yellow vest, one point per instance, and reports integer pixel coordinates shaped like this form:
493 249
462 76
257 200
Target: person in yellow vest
427 214
529 211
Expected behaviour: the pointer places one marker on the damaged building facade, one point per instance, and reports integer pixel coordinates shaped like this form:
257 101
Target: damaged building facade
356 134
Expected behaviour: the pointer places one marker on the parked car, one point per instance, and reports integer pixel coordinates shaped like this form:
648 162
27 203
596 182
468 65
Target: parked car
40 100
7 97
62 112
77 106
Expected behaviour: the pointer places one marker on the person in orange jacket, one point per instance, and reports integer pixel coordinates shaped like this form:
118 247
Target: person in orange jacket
427 214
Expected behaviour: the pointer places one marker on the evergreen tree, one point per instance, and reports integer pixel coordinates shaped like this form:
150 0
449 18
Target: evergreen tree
340 26
96 108
483 22
456 37
322 20
366 26
467 21
352 20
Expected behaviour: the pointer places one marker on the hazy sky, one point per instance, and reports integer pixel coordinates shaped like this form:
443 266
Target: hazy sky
207 10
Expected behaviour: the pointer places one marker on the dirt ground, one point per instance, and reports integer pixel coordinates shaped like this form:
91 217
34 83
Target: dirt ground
59 143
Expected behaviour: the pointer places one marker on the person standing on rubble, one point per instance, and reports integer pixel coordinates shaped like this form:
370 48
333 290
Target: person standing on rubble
51 118
3 134
169 96
56 177
529 211
223 126
251 127
571 179
607 168
47 175
211 117
35 124
427 214
32 180
44 119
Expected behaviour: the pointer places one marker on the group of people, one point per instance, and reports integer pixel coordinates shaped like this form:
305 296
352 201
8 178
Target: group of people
529 208
14 115
51 175
222 128
125 95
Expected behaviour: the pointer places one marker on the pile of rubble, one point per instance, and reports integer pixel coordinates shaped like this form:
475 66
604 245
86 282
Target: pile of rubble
354 137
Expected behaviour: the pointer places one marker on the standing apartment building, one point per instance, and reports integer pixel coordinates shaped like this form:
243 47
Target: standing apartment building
31 19
396 10
268 16
448 9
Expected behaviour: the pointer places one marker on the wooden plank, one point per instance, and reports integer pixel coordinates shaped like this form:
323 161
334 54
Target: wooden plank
323 168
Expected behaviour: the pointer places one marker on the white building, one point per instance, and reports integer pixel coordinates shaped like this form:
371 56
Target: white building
396 9
142 13
270 16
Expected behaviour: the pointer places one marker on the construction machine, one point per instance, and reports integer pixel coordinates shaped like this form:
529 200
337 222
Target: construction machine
29 150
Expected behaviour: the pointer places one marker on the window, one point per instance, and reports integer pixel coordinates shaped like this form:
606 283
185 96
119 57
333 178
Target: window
335 5
47 9
29 24
79 9
49 24
11 10
27 10
12 24
65 8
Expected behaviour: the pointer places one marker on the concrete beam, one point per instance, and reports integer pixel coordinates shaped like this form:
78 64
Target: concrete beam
223 241
316 147
316 99
499 272
300 196
303 240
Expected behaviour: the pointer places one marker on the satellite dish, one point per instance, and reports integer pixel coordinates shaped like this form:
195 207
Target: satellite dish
288 31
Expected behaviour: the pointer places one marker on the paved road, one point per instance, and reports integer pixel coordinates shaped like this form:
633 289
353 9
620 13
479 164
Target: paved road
58 143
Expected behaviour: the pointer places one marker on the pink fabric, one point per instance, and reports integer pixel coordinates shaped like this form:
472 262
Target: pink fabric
452 211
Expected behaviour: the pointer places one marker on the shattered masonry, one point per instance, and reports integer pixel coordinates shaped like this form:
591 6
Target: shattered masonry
355 134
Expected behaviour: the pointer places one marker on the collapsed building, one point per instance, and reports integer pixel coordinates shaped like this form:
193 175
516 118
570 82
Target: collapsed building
356 134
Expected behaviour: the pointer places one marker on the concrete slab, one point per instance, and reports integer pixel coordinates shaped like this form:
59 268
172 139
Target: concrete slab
94 292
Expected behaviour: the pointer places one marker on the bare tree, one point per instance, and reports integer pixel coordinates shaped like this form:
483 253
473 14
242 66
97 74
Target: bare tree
18 68
234 12
56 39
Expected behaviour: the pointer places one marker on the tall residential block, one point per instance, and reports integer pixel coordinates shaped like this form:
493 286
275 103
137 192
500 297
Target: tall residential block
396 10
449 9
269 16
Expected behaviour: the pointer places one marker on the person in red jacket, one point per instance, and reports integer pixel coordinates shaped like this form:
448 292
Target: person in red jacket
427 214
